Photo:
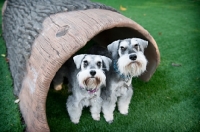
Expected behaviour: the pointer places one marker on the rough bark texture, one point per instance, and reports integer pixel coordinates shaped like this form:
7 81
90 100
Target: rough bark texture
41 35
22 23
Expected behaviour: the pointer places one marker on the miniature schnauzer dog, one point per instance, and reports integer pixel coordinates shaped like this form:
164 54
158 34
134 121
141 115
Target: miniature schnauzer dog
128 61
86 77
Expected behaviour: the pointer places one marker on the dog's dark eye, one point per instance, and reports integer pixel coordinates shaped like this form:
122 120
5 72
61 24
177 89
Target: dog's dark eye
136 46
85 63
98 63
123 48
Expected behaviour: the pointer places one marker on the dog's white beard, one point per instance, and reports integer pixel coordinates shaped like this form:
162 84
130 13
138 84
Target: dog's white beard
87 82
133 68
92 83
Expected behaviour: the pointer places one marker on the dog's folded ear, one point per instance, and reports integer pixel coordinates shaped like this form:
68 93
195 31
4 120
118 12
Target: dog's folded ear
107 62
78 59
113 48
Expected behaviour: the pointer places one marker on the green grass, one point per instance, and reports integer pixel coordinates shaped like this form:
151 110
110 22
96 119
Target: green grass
170 101
10 120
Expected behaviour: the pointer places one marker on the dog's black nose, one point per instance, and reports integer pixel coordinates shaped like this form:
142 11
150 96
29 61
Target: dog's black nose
92 72
133 57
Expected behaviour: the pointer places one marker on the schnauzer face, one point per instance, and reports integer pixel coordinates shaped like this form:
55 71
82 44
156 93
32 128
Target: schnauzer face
129 54
91 75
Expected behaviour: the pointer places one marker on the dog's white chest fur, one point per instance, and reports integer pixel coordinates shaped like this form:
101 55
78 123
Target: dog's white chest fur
128 82
119 88
87 100
121 91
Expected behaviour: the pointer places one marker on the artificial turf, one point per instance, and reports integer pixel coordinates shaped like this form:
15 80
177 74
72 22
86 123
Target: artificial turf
10 120
170 101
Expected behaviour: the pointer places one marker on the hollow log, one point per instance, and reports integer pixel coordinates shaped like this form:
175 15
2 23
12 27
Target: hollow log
41 35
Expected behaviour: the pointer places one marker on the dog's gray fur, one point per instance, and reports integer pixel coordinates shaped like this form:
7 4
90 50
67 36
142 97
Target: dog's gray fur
86 77
128 61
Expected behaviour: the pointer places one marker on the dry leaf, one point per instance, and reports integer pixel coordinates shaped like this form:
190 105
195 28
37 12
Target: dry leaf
3 55
176 64
122 8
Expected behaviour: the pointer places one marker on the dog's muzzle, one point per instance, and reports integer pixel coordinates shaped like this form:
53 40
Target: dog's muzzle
92 83
91 80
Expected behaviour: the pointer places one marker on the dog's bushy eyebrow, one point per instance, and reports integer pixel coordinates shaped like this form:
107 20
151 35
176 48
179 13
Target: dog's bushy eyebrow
124 44
98 59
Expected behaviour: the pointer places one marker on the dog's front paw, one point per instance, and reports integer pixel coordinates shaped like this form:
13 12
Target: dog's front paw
75 121
123 111
108 118
111 121
96 117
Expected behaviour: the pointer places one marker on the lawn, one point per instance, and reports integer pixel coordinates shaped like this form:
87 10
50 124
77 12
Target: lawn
9 111
170 101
